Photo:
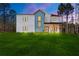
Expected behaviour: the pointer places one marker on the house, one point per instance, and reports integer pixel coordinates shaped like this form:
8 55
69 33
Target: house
38 22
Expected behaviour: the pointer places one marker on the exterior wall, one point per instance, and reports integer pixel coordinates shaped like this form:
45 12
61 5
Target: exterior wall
25 23
47 18
39 13
55 19
53 28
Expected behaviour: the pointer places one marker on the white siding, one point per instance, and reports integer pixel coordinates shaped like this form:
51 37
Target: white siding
47 18
55 19
23 25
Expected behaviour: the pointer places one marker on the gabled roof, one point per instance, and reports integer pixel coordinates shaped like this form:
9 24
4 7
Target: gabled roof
38 11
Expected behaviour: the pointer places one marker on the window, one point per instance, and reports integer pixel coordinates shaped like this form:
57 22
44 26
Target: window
39 18
39 21
56 28
25 28
39 24
25 19
46 29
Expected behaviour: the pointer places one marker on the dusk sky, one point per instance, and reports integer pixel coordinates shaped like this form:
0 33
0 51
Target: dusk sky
29 8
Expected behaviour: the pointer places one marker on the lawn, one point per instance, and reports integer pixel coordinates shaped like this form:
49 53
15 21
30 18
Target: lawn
38 44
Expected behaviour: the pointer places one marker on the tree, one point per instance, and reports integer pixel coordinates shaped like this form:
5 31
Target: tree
61 9
65 9
3 8
68 10
12 14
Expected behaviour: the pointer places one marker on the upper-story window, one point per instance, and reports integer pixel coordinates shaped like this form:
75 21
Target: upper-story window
39 18
25 19
39 21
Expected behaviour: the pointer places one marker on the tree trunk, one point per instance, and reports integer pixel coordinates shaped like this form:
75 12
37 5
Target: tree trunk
4 21
62 23
66 24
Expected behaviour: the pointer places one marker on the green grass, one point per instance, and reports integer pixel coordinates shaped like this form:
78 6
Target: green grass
38 44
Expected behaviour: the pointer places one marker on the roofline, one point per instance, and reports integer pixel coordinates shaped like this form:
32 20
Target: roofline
39 10
33 14
24 14
42 12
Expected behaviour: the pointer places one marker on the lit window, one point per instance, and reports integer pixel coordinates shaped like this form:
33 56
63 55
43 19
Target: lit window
39 21
39 18
39 24
47 29
56 28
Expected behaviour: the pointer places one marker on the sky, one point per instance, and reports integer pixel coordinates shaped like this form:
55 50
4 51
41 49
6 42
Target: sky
30 8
